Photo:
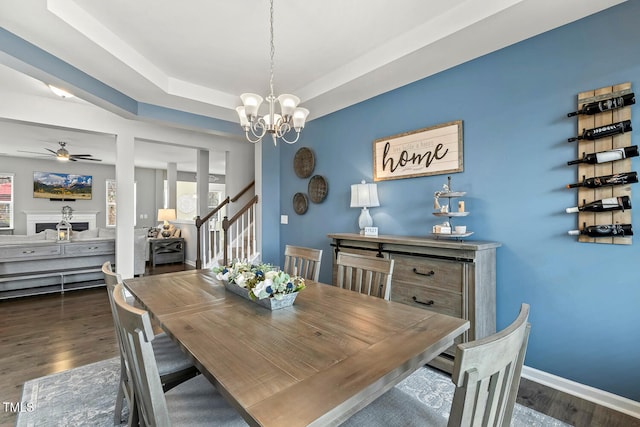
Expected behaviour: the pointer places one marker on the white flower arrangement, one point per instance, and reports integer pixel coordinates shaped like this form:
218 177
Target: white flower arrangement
261 280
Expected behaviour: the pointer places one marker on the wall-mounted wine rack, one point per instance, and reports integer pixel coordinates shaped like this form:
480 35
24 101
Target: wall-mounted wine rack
585 171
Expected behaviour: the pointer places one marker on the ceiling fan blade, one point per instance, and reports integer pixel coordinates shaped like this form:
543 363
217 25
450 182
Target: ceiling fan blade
75 158
54 153
81 155
35 152
71 159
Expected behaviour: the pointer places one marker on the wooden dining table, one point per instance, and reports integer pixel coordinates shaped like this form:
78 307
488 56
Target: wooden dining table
315 363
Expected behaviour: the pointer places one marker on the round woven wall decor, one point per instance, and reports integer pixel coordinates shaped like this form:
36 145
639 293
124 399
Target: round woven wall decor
300 203
304 162
318 188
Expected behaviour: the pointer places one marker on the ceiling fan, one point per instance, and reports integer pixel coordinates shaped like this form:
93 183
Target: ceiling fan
63 154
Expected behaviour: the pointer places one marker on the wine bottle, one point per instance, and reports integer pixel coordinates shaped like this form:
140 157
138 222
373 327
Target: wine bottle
605 105
609 204
607 180
610 230
607 156
604 131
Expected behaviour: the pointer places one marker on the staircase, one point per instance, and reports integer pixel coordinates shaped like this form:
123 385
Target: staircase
235 240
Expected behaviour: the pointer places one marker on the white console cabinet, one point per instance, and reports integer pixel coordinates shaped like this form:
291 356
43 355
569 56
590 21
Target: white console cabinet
38 268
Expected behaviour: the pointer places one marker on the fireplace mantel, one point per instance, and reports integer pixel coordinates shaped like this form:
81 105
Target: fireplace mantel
35 217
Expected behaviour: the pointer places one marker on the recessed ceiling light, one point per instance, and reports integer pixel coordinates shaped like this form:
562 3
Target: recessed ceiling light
60 92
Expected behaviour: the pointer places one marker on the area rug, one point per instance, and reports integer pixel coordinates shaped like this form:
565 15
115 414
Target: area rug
85 396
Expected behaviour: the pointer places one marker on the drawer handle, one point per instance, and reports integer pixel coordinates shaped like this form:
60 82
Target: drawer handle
28 252
431 273
430 302
93 247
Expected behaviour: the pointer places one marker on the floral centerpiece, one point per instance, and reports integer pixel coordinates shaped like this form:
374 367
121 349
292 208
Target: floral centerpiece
263 283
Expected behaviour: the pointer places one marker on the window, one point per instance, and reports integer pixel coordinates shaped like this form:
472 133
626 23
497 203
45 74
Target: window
6 201
111 202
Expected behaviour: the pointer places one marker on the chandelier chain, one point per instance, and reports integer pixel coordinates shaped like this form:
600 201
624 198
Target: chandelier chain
273 47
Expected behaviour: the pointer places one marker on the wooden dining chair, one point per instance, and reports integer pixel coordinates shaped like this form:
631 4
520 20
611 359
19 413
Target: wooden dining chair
303 262
174 366
194 402
486 374
365 274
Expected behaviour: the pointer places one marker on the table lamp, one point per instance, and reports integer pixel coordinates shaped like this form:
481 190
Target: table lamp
364 196
166 215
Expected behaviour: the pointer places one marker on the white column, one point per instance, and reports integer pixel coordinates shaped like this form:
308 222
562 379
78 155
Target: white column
202 182
172 179
125 199
202 188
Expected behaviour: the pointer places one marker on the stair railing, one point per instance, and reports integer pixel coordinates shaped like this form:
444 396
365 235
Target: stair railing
240 233
213 240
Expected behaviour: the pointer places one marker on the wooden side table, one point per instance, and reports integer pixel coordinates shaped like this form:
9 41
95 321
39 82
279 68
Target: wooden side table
166 251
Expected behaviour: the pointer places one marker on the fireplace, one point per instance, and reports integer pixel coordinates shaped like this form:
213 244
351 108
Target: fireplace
75 226
42 220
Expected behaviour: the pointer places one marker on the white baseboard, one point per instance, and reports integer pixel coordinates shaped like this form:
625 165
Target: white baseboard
592 394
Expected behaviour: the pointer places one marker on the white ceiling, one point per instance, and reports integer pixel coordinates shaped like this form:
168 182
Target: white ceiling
18 139
199 55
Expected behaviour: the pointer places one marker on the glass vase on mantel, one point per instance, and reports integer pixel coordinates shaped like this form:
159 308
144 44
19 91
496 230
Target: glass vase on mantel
448 230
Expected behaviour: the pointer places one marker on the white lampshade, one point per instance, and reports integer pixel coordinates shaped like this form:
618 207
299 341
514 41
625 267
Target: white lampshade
251 103
299 117
364 195
276 119
288 104
244 122
166 214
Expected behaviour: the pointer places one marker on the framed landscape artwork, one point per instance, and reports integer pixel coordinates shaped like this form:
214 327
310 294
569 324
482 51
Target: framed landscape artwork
61 186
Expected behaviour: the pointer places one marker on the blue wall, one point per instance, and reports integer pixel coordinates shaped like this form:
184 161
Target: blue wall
584 297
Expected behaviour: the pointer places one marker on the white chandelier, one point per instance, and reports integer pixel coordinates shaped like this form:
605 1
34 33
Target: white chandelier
291 117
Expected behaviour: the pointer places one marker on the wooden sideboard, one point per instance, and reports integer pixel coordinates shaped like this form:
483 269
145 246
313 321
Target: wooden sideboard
46 267
454 277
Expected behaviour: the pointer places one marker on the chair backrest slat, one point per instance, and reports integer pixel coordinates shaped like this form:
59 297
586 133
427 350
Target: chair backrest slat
487 375
111 279
303 262
365 274
136 328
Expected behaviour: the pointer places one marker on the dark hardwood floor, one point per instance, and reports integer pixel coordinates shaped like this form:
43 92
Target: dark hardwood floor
43 335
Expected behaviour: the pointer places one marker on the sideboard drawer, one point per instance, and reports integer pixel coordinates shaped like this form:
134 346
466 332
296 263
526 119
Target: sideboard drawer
438 300
434 273
88 248
30 251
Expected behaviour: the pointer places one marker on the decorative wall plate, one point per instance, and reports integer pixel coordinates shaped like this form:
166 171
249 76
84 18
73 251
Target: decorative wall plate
300 203
304 162
318 188
186 203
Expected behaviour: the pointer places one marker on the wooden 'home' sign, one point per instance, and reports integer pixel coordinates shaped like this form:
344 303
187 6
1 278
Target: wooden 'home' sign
434 150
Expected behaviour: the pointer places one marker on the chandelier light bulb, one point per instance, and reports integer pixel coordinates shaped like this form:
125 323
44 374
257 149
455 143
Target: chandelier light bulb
277 118
299 118
244 122
288 104
251 103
